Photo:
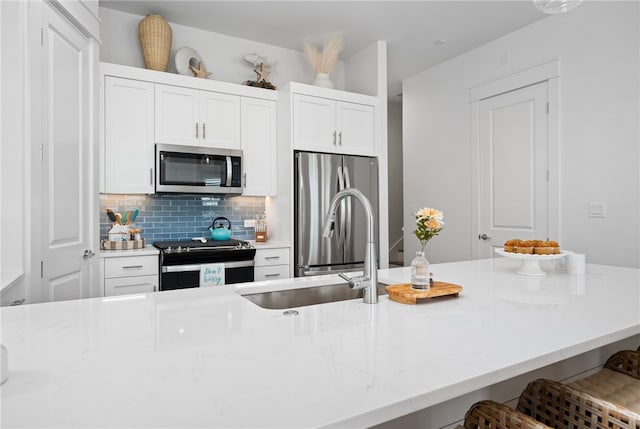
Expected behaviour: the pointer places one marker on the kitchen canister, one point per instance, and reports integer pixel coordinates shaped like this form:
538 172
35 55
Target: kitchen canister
155 40
576 263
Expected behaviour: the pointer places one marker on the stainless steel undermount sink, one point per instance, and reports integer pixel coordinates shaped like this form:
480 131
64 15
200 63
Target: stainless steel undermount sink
290 298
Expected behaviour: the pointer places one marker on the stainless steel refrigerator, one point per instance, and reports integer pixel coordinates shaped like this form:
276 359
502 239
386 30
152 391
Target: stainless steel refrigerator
318 177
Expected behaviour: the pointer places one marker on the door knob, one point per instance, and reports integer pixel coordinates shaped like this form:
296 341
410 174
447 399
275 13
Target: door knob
88 254
484 237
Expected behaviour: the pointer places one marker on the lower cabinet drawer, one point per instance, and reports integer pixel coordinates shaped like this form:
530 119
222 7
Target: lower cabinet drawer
272 257
271 272
128 266
126 285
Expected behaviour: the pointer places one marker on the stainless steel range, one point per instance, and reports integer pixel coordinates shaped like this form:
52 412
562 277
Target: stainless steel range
181 261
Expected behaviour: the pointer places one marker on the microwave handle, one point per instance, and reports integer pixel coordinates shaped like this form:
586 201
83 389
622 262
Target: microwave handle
229 171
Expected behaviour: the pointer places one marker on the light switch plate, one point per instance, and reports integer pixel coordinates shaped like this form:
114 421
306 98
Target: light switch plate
597 210
249 223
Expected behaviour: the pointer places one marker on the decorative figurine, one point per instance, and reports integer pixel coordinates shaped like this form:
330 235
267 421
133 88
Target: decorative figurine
262 69
198 69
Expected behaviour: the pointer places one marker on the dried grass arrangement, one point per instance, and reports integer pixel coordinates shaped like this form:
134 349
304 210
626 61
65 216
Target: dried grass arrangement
324 62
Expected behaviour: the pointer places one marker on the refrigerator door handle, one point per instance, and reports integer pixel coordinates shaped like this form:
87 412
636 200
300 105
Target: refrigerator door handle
302 214
349 219
343 207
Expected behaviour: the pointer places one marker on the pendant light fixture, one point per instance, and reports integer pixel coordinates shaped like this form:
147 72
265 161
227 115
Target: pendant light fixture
556 6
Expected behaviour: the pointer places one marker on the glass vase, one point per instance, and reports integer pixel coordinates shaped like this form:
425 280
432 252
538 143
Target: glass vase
420 272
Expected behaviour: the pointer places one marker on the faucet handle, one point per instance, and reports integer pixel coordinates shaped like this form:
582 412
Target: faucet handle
345 277
356 282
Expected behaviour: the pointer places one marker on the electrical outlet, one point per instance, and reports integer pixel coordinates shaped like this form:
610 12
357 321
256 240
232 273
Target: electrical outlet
249 223
597 210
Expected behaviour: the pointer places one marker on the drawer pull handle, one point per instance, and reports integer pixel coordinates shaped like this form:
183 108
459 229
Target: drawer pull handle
272 275
130 267
272 257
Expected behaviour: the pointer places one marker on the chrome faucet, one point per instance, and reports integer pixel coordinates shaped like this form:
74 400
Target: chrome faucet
369 280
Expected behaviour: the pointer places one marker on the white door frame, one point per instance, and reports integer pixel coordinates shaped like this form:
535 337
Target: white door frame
549 71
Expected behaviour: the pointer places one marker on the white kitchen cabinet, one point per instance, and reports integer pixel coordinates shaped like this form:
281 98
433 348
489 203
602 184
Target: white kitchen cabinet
327 125
356 128
272 264
188 116
258 143
130 274
128 131
129 285
314 126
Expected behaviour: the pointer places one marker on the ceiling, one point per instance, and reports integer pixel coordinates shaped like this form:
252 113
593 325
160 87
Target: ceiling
410 28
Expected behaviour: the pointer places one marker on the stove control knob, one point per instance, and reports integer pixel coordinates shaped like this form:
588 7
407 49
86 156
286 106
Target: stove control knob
179 248
169 249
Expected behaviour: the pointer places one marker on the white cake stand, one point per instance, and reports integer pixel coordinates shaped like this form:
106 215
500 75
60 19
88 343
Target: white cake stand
530 264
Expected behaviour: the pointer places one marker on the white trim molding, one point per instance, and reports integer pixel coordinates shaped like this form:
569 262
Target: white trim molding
541 72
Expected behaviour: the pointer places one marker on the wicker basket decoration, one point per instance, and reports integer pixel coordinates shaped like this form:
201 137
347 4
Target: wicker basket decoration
155 40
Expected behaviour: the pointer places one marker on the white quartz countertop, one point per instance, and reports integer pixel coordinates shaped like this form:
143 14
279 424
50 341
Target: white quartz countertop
148 250
269 244
210 358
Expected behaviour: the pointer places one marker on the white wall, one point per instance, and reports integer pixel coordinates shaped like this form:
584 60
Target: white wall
13 140
598 48
221 54
394 113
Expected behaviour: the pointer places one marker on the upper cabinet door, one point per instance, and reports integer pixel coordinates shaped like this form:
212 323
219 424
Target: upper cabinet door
259 146
177 117
314 123
220 120
129 149
356 128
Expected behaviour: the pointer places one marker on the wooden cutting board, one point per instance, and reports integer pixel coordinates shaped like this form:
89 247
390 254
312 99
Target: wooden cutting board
404 294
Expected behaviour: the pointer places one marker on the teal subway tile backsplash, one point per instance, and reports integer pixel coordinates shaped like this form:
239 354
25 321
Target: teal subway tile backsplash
181 217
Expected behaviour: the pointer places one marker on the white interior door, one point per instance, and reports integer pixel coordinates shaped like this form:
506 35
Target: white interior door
513 167
66 139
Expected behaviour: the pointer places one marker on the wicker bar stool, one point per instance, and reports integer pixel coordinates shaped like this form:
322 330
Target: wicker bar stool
493 415
562 406
617 382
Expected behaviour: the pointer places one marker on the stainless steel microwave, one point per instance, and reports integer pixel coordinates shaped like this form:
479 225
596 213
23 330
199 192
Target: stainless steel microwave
198 170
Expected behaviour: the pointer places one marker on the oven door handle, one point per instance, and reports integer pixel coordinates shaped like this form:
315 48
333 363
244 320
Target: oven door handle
196 267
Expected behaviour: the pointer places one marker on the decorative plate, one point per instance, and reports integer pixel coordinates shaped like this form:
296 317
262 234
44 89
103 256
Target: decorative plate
530 265
184 57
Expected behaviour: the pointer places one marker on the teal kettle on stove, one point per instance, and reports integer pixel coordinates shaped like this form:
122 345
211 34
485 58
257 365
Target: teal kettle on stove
220 229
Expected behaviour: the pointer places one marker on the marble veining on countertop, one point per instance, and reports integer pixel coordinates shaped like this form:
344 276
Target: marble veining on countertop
207 357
